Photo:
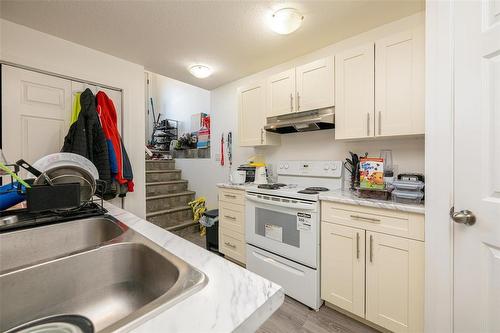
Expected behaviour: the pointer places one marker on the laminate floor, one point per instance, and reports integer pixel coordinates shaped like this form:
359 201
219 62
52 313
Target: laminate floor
293 316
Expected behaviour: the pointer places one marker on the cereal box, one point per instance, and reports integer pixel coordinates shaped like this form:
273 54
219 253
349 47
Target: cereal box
371 173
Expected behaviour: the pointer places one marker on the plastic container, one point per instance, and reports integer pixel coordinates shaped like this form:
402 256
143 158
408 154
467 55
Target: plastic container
373 194
408 185
407 197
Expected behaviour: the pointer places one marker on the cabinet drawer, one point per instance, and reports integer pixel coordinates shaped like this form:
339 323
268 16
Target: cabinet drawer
232 196
232 244
232 217
386 221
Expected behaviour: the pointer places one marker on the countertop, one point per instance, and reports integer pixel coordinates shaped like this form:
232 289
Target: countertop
234 299
242 187
347 197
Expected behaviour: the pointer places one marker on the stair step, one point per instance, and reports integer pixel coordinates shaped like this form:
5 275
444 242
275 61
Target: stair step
172 186
162 175
182 225
152 165
172 217
167 201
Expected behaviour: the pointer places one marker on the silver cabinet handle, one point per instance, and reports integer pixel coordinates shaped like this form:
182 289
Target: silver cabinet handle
298 101
379 122
291 102
230 217
261 135
364 218
230 196
230 245
357 245
368 124
371 248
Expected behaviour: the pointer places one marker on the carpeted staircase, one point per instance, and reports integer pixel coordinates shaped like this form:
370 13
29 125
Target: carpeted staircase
167 196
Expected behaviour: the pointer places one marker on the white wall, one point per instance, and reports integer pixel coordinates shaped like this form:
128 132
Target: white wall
408 154
28 47
177 100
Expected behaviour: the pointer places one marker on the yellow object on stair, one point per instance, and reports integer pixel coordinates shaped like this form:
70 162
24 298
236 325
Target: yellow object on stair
198 207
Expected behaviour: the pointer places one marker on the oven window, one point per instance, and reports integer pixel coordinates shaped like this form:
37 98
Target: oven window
278 226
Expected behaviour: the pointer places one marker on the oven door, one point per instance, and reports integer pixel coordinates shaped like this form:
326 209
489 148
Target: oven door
286 227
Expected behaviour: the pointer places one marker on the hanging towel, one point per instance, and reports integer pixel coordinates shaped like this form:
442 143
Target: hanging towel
120 164
76 108
86 137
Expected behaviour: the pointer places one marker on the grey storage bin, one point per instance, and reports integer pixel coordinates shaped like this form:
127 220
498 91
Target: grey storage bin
407 197
408 185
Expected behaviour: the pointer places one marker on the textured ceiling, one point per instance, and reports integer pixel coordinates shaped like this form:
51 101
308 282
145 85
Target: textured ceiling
232 37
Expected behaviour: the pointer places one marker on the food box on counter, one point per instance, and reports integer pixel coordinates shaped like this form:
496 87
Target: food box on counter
371 173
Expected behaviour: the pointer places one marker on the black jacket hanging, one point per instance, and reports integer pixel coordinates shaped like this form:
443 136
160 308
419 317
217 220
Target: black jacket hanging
86 137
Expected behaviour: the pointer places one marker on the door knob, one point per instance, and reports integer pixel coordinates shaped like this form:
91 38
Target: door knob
464 216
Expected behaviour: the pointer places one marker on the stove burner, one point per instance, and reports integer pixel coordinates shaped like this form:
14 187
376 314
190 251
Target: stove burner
317 189
306 191
274 186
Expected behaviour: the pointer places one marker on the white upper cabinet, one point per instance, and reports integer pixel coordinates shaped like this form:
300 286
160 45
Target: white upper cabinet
281 93
399 84
315 85
354 93
252 116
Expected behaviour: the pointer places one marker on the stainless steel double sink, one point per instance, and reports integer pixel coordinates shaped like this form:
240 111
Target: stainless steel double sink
97 268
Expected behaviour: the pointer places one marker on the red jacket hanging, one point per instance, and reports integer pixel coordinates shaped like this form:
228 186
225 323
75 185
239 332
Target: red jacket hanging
119 161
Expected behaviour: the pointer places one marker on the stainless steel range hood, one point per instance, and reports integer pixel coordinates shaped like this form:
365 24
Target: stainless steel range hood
301 121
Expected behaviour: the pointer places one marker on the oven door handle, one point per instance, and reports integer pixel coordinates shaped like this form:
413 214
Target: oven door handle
300 206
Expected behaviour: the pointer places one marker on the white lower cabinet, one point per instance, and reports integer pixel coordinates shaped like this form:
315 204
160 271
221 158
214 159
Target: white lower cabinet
369 272
232 224
343 267
395 282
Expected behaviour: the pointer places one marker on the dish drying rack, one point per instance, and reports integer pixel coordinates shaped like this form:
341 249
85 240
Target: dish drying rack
93 206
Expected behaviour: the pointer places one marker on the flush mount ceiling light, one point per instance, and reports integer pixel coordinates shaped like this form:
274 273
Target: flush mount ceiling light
286 20
200 71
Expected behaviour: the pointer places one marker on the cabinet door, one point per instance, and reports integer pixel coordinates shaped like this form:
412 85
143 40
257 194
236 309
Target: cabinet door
399 84
252 105
354 93
395 282
281 93
36 111
315 85
343 267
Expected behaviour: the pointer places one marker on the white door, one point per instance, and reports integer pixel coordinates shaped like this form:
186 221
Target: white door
354 93
476 161
36 110
252 103
395 282
343 267
315 85
281 93
399 84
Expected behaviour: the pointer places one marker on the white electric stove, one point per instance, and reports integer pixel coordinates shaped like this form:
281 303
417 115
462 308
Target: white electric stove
283 225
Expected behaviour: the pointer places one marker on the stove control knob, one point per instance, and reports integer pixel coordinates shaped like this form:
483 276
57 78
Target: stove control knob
334 167
286 166
326 167
281 166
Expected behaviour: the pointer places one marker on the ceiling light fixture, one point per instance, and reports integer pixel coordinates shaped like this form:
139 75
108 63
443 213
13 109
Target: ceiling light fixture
200 71
286 20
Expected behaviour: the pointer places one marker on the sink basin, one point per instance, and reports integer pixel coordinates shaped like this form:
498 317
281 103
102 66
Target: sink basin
29 246
115 285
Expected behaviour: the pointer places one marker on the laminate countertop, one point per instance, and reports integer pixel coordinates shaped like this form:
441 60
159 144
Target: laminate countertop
347 197
234 299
